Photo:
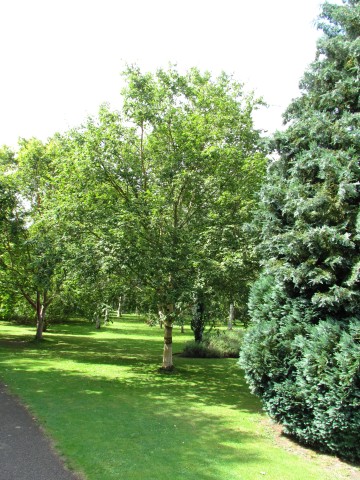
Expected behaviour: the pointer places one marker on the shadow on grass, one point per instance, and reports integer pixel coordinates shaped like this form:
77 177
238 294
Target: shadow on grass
202 381
83 326
151 427
101 396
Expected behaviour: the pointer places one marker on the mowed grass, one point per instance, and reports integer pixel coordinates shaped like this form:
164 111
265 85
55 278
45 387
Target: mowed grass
113 415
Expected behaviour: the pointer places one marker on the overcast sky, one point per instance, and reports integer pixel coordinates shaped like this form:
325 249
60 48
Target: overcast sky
60 59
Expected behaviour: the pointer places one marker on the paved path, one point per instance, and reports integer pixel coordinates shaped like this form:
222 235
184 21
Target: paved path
25 452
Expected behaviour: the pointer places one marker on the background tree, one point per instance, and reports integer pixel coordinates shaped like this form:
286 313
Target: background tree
30 250
302 354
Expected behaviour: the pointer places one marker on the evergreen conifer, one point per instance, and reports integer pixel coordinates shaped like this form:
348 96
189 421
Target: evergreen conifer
302 353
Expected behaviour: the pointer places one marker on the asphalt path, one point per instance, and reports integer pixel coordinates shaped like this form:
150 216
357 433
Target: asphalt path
25 452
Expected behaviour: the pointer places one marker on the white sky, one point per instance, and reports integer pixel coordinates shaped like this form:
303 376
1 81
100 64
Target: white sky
60 59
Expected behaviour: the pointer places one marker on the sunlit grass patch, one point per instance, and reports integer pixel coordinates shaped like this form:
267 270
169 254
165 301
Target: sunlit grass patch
114 416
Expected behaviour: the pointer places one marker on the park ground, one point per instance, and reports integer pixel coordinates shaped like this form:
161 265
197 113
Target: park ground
113 415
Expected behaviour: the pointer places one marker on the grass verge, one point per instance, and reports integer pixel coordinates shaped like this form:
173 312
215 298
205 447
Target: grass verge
114 416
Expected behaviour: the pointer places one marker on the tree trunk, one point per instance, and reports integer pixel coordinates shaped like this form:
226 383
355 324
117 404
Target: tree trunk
39 329
40 307
168 327
119 313
40 320
161 318
231 316
45 324
198 319
106 315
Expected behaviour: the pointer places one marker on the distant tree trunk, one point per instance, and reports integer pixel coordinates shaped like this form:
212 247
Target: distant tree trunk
106 314
168 327
198 318
180 319
119 313
39 325
231 316
45 325
40 307
40 316
161 318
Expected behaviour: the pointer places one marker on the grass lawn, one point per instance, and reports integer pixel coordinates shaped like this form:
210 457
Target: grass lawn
99 395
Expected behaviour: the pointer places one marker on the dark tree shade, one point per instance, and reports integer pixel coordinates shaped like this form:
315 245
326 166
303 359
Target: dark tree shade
302 354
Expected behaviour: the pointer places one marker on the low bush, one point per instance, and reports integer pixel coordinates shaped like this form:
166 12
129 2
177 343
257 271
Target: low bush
219 344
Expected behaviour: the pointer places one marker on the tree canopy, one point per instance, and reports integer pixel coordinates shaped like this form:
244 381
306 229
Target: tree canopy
30 252
153 198
177 169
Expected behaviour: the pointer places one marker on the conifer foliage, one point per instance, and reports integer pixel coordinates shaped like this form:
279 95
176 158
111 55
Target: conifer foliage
302 354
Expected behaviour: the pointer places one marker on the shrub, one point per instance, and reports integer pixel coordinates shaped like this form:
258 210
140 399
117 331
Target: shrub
219 344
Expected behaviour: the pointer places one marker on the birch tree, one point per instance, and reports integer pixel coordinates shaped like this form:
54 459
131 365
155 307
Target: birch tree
158 169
